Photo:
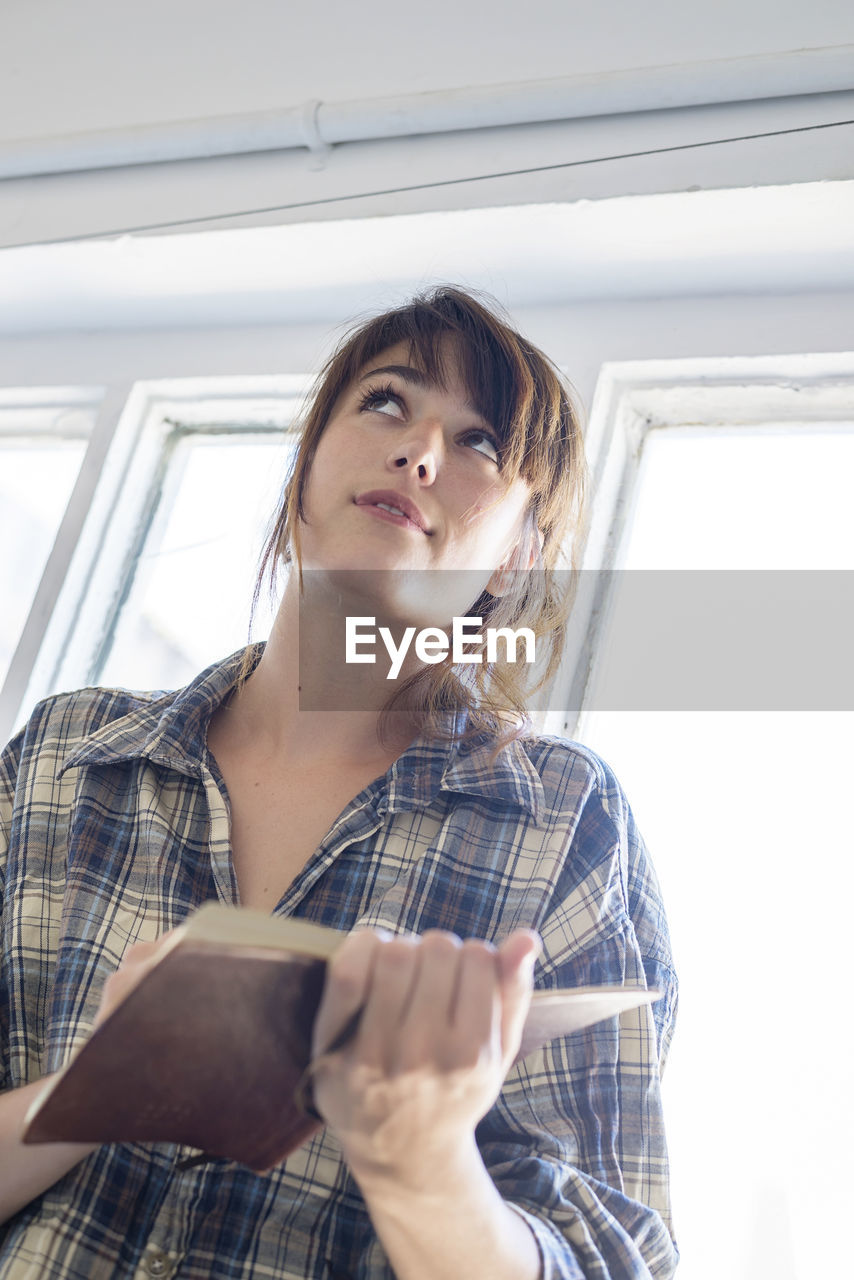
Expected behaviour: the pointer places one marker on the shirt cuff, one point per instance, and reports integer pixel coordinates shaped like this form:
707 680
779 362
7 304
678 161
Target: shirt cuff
557 1262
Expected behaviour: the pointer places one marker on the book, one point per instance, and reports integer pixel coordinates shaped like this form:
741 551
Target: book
211 1048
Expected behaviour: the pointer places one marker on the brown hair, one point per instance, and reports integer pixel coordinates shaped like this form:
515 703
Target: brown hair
521 394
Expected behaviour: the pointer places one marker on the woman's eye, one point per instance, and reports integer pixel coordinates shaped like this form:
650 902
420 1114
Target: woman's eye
383 400
482 443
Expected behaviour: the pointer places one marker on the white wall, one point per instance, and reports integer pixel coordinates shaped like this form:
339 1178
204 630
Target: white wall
702 283
96 64
580 337
102 67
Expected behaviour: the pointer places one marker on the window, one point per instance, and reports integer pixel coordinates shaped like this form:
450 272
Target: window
188 596
731 466
182 492
728 467
44 434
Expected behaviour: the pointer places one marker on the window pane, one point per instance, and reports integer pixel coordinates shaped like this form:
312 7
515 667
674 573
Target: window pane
774 498
36 479
741 812
190 599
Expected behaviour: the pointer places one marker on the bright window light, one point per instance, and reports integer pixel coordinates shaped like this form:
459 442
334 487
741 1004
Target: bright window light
771 497
743 813
37 474
190 599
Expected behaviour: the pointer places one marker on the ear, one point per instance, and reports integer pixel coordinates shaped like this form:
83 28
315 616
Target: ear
524 555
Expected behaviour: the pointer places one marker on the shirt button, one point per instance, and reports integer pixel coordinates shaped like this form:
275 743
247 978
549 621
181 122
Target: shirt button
157 1264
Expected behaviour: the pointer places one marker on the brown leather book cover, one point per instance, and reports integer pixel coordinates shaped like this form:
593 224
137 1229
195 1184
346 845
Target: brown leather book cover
211 1048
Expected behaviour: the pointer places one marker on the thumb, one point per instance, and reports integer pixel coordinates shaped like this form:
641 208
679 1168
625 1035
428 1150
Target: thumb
135 963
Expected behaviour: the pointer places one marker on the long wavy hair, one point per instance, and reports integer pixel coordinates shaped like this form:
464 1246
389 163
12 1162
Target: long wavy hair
532 408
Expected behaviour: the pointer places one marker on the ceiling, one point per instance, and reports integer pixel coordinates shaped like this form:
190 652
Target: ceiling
639 204
95 64
760 240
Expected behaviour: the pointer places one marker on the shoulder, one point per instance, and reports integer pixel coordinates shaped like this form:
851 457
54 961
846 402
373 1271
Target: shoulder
97 726
584 798
573 778
31 765
65 726
608 876
64 721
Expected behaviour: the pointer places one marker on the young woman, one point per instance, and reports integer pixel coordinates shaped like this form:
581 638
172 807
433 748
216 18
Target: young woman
439 475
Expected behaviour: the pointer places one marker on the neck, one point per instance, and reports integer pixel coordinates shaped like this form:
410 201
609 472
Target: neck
304 700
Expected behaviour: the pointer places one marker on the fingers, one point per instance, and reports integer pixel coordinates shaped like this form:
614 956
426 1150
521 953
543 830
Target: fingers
495 990
413 1014
348 980
394 977
142 953
429 1025
477 1013
438 1024
517 956
135 963
432 996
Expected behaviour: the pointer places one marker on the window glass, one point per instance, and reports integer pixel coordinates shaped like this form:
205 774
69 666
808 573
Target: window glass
189 593
774 498
37 475
741 811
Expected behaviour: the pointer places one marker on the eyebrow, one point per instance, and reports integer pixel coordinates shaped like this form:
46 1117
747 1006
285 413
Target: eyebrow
417 378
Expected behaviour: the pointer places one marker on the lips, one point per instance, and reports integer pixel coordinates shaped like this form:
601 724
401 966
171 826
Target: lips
394 505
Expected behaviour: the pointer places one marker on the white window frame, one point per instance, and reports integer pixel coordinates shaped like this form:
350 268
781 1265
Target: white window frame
75 603
633 398
14 399
110 509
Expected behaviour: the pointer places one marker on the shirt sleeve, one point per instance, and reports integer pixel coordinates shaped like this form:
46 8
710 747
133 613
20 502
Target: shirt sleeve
576 1141
9 761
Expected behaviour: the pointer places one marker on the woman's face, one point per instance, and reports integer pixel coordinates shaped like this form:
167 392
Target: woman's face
406 478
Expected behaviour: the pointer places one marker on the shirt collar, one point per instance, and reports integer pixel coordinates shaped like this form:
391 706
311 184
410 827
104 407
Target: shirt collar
172 730
509 777
470 768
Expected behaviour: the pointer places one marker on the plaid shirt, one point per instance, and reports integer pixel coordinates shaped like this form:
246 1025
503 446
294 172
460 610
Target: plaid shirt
114 826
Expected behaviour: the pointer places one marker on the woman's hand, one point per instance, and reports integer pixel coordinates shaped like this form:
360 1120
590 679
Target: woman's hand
441 1025
136 962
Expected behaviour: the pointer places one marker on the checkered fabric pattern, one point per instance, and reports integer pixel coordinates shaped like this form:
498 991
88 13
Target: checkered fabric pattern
114 826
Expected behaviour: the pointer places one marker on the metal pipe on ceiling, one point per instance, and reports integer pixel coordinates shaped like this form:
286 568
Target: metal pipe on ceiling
318 126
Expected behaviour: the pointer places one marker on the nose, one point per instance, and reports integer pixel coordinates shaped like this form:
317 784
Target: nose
418 452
